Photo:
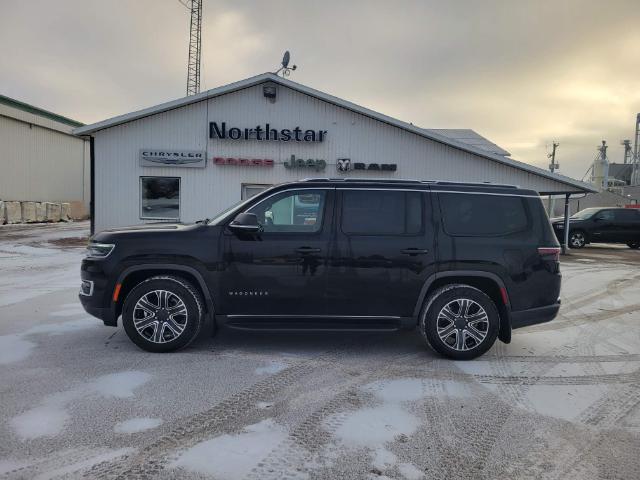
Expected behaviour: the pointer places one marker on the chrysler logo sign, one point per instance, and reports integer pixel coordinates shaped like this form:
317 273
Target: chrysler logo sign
172 158
345 165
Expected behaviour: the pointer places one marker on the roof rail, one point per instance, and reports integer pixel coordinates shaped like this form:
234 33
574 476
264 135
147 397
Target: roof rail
397 180
365 180
482 184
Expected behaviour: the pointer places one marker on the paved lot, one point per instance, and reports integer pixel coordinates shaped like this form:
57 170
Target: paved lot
562 401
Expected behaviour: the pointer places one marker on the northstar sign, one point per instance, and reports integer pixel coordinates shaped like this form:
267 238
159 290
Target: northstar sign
265 133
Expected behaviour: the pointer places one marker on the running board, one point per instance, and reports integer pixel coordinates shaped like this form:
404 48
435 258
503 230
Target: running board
315 323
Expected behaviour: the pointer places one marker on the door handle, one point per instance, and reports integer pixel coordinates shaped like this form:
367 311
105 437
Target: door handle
304 250
414 251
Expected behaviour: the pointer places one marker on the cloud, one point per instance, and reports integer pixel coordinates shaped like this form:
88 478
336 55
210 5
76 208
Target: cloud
520 73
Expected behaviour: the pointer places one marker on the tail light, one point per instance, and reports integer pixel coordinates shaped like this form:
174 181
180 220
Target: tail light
550 252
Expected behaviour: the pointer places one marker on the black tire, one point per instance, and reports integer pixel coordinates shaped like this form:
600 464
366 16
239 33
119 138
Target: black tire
158 332
577 239
634 245
434 319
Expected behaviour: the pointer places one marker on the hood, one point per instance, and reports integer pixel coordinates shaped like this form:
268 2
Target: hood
146 229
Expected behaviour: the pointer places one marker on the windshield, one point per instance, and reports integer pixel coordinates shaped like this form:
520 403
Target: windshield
586 213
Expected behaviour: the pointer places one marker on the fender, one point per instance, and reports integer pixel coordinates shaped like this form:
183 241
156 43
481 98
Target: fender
505 327
175 267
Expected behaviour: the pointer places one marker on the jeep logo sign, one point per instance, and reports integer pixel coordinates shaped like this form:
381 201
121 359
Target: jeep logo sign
293 162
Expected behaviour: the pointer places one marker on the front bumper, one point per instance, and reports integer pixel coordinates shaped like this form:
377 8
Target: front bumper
107 315
534 316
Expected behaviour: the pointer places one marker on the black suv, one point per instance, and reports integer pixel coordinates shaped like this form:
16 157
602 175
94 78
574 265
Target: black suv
603 225
465 263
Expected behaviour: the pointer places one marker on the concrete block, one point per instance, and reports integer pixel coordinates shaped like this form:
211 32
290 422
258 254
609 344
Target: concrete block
52 212
28 212
41 212
78 211
13 212
64 212
2 214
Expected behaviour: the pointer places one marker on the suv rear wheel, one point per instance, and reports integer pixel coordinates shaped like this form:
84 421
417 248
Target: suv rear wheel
460 322
162 314
577 239
634 245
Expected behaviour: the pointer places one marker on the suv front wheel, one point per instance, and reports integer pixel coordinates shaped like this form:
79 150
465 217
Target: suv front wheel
162 314
460 322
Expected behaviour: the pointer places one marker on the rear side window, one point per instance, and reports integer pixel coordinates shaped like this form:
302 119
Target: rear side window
381 212
483 215
627 215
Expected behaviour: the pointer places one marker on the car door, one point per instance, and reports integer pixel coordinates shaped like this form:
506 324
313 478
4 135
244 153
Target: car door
382 254
281 271
603 227
627 223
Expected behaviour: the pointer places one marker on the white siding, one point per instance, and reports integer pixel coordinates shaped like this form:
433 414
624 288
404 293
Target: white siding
207 191
42 164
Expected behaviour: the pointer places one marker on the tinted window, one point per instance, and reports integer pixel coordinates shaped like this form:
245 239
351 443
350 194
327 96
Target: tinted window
627 215
606 215
160 198
488 215
298 211
377 212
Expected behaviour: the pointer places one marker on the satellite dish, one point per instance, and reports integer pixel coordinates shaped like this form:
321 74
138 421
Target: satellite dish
285 68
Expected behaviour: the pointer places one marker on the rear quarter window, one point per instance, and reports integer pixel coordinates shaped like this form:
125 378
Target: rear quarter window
483 215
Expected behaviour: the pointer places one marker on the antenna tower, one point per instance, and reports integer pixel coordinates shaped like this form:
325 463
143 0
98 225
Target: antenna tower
195 45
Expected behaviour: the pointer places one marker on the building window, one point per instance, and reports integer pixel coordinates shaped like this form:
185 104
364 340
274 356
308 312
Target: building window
160 198
252 189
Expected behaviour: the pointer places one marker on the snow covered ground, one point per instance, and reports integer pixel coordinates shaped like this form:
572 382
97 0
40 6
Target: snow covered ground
79 400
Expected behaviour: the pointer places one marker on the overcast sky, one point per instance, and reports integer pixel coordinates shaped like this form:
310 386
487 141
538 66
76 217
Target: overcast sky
521 73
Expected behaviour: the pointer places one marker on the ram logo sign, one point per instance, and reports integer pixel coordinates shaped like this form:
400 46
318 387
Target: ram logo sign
345 165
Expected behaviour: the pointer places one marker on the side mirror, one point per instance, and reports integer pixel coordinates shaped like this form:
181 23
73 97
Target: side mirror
246 222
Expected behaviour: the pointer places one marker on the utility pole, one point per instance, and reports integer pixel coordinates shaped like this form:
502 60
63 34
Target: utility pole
635 169
553 166
195 45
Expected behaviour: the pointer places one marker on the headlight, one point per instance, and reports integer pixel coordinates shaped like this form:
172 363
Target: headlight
99 250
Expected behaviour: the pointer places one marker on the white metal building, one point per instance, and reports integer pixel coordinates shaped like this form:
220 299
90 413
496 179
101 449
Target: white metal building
190 158
41 160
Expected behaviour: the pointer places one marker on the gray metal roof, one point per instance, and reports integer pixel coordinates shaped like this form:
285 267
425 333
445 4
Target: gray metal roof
470 137
434 135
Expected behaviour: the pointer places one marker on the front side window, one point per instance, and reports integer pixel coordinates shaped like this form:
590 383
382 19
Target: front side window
605 215
483 215
160 198
381 212
299 211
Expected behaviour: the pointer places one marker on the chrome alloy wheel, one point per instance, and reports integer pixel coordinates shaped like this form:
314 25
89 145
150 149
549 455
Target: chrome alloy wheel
160 316
462 324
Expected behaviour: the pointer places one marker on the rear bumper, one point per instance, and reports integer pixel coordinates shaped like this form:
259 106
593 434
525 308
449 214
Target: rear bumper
533 316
